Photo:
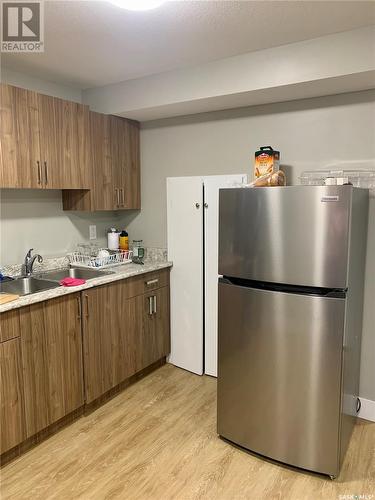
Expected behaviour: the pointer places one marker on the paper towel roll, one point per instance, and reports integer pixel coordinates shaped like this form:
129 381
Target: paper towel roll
113 241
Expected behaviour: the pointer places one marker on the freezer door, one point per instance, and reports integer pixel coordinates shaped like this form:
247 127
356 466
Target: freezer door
279 372
297 235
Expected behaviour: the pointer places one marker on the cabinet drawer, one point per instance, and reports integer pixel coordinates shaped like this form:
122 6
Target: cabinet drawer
138 285
9 325
155 280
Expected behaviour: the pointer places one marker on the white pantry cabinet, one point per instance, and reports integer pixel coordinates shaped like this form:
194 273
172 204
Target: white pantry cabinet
192 214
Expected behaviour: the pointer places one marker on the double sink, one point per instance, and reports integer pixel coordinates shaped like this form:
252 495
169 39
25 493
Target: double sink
47 280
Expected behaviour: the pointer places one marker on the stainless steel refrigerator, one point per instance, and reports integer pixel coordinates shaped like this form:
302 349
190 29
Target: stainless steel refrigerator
290 320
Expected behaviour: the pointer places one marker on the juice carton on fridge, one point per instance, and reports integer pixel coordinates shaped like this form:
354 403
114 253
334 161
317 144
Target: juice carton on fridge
267 161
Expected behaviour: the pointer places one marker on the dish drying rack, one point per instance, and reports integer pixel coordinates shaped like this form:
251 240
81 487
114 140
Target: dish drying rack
99 258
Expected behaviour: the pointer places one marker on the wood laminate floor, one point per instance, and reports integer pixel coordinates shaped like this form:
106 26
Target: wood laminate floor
157 440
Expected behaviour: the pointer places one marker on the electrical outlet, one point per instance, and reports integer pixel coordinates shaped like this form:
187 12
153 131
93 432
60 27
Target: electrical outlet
92 231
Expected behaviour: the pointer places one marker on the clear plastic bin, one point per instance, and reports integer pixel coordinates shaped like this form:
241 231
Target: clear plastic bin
359 178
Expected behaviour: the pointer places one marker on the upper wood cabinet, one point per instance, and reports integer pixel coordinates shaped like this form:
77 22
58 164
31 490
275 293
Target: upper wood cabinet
115 166
20 161
103 187
126 161
66 147
52 360
44 141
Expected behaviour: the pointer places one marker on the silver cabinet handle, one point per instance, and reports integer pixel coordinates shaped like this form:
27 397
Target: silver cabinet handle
46 172
122 201
87 305
39 173
152 282
150 308
117 197
79 308
197 205
154 308
206 205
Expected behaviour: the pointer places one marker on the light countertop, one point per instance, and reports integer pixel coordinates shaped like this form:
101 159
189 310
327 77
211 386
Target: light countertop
119 273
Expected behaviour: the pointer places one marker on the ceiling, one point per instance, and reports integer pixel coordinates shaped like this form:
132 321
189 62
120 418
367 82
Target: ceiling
94 43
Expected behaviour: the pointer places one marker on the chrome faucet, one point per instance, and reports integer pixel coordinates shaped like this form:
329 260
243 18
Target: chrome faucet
27 267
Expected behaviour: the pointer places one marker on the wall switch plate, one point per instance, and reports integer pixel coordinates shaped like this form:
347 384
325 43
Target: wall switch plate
92 231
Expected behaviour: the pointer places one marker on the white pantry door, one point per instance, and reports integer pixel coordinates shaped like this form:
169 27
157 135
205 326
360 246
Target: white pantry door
212 184
185 250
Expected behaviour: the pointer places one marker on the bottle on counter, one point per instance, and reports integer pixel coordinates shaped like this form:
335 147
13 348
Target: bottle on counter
124 240
138 251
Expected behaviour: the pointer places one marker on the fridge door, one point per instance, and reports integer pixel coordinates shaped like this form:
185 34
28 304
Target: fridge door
297 235
279 373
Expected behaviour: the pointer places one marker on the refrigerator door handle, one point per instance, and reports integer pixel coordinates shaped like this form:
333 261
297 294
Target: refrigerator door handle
337 293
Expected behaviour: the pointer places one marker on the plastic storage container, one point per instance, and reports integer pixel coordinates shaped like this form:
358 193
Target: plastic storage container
359 178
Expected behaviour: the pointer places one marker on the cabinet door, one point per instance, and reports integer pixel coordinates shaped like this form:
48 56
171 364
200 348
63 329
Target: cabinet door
154 341
48 134
52 360
12 428
119 158
70 122
110 326
132 182
103 196
125 146
20 161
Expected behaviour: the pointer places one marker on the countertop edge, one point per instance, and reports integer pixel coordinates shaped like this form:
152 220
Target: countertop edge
120 273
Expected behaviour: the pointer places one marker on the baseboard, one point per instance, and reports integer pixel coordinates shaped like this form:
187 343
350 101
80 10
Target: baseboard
367 410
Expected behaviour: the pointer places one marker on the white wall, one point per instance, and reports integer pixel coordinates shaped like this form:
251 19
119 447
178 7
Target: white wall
326 65
44 87
35 218
310 134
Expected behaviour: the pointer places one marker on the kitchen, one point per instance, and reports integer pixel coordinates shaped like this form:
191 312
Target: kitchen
130 428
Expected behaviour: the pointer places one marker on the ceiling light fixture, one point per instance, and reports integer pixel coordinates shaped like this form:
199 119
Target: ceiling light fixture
137 4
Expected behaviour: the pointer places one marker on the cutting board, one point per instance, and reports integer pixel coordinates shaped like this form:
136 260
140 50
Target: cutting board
7 297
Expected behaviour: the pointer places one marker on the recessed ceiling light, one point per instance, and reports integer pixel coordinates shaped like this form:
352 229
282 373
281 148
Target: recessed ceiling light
137 4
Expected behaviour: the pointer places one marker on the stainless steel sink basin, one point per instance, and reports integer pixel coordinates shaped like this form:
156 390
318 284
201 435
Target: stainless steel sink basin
25 286
73 272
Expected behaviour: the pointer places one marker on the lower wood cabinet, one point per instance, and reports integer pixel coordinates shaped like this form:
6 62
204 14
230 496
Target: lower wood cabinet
47 374
9 325
153 339
52 361
12 417
109 331
121 333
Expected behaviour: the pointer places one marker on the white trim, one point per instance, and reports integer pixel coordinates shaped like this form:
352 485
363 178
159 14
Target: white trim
367 410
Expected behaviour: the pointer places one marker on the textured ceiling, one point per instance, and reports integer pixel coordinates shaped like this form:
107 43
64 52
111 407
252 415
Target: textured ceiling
94 43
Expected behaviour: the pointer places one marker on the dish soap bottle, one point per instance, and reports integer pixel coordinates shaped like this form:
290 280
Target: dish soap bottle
124 240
